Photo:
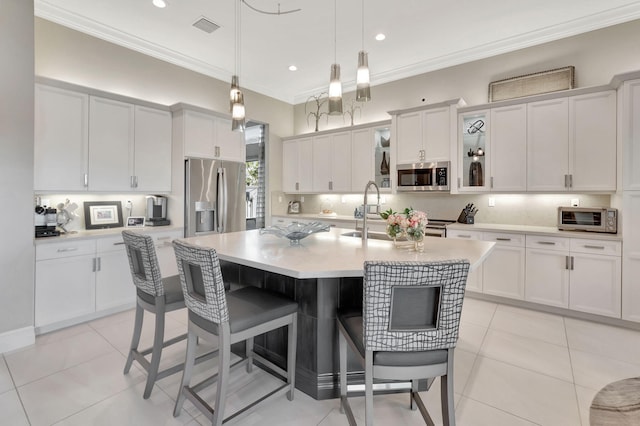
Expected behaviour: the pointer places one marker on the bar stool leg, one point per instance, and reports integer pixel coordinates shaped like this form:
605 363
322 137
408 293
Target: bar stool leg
368 388
249 354
342 342
135 339
190 358
414 388
291 355
223 376
158 341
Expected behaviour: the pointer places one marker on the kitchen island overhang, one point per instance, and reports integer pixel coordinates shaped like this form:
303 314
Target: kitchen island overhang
323 274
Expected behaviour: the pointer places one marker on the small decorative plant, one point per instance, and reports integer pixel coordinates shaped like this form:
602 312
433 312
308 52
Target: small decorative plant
416 223
319 101
351 110
394 223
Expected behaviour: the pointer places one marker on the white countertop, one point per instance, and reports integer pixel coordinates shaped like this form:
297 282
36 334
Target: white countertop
534 230
102 233
329 254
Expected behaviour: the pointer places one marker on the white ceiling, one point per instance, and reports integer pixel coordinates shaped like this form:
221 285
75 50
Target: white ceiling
422 35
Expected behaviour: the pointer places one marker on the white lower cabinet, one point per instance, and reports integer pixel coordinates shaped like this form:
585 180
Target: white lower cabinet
474 280
503 271
84 279
547 271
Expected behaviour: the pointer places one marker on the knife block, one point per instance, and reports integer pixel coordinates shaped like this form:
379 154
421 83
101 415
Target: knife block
466 218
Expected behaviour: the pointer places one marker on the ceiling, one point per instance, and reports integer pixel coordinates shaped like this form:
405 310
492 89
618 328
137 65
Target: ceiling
421 35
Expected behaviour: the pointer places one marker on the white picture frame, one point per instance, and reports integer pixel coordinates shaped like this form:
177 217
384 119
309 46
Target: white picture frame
135 221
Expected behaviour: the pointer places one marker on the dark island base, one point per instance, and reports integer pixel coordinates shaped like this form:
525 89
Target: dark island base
319 299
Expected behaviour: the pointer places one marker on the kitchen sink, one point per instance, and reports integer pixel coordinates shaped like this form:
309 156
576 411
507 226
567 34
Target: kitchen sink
372 235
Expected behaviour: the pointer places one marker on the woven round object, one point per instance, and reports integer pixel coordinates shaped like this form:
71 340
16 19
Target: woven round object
617 404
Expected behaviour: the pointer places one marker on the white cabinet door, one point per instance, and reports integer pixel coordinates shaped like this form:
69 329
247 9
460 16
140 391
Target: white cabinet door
503 271
548 145
65 289
152 153
305 165
322 157
290 183
547 270
630 134
61 139
592 141
341 162
199 134
114 285
509 148
408 138
595 284
474 146
436 133
474 280
231 145
631 255
111 139
362 158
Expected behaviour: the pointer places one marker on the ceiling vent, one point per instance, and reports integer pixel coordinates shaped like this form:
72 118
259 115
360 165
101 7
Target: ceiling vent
206 25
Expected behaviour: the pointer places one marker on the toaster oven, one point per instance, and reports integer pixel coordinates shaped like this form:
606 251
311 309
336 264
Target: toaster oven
594 219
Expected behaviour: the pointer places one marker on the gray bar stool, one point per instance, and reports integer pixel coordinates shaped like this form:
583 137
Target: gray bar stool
408 330
154 294
230 318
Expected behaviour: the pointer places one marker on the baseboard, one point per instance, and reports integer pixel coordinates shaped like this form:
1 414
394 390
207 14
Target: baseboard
16 339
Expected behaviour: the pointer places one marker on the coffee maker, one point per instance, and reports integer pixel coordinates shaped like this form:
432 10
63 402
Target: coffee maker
156 211
45 222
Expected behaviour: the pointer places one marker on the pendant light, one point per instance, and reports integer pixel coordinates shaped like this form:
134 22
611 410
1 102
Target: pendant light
335 85
363 88
236 98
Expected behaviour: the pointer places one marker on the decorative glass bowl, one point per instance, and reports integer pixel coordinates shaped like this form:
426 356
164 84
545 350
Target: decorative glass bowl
295 231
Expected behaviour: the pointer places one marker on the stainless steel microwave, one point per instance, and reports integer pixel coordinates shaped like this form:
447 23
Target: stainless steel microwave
425 176
594 219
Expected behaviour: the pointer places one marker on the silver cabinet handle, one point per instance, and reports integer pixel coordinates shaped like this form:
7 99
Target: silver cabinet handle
99 263
217 151
297 186
566 262
132 184
94 265
491 180
86 179
594 247
547 243
464 236
67 249
572 263
566 181
503 239
570 181
330 185
121 243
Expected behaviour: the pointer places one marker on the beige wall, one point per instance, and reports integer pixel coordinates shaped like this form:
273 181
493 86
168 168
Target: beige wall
597 57
16 171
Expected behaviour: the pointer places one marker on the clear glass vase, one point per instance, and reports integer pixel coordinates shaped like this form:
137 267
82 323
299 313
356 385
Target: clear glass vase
418 241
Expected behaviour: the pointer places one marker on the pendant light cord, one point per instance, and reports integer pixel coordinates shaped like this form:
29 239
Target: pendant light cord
335 31
363 25
237 39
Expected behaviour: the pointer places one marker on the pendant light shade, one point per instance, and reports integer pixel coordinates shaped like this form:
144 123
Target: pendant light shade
236 98
335 91
363 88
335 85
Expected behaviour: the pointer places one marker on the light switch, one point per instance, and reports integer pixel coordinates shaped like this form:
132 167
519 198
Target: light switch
492 202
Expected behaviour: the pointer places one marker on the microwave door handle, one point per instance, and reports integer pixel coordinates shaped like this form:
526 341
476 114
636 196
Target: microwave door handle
224 205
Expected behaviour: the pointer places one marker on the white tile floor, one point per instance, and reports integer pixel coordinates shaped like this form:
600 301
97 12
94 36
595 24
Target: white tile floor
513 367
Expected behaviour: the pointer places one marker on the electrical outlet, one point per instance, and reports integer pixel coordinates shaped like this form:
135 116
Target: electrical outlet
302 199
128 205
575 202
492 202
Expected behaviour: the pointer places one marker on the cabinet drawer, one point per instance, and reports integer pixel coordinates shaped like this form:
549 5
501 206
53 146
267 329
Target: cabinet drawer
504 239
611 248
66 249
550 243
468 235
110 244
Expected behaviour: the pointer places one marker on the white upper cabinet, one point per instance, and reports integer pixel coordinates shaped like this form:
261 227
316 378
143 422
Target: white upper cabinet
425 134
209 136
61 139
592 141
508 148
332 162
548 145
474 146
362 158
152 153
111 138
297 165
630 134
571 143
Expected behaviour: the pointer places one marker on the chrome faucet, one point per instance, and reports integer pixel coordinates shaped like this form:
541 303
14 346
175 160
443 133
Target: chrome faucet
365 229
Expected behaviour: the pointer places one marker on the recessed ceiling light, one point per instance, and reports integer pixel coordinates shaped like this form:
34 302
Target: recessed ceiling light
380 37
293 68
160 3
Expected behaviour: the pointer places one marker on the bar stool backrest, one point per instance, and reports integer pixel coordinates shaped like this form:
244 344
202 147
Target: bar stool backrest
413 306
143 262
201 280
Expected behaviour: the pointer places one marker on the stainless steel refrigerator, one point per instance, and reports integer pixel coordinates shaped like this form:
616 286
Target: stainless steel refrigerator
215 196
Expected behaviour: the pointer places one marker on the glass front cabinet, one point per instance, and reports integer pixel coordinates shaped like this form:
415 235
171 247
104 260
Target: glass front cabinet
473 151
382 160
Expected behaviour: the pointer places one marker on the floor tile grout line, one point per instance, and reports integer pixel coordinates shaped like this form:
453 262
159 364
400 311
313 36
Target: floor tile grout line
525 368
502 410
573 376
15 389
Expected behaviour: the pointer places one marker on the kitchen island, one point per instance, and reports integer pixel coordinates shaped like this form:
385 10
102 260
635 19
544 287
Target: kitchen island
323 274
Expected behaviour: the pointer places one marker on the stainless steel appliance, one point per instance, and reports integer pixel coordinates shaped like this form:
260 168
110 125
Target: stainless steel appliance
437 228
425 176
594 219
215 196
156 211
